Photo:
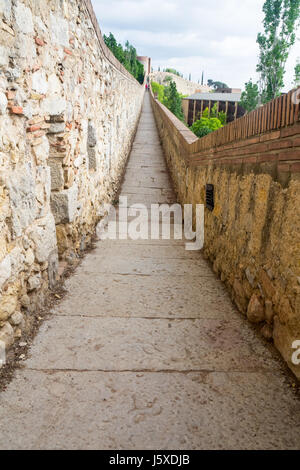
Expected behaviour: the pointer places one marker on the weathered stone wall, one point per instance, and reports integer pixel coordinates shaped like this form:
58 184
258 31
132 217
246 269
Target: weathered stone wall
68 114
252 237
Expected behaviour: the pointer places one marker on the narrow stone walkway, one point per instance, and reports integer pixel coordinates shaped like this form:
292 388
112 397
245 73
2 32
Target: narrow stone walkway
146 351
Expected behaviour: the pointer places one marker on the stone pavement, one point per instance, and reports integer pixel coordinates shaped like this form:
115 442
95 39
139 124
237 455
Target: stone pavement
146 351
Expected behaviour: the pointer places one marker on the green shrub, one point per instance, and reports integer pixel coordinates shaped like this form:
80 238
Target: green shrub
200 131
159 90
209 122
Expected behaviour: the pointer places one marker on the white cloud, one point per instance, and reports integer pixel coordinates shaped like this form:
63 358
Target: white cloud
217 37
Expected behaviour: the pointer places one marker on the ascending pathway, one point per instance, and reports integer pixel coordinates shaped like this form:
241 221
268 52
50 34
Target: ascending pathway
147 351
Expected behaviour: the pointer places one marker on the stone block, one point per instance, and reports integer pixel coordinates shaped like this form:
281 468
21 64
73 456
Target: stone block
34 282
17 318
57 128
57 174
43 234
255 312
54 106
92 138
5 270
8 304
54 85
39 82
64 205
3 56
7 334
269 311
21 188
59 30
3 103
92 159
23 18
41 151
5 9
53 269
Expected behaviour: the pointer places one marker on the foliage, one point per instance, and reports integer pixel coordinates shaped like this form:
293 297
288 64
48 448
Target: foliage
222 116
169 96
172 100
216 85
127 56
175 72
297 74
199 130
209 122
159 90
280 23
250 97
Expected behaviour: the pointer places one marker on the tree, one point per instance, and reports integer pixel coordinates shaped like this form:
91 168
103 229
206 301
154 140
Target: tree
169 96
280 23
127 56
159 90
173 100
297 74
216 85
250 97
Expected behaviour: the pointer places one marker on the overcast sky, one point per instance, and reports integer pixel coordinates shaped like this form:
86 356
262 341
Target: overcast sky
218 37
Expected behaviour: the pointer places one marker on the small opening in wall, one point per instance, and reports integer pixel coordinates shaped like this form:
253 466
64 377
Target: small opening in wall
210 197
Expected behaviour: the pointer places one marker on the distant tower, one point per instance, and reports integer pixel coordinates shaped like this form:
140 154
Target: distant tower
146 61
202 80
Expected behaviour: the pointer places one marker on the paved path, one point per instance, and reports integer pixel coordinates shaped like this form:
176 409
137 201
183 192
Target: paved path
147 351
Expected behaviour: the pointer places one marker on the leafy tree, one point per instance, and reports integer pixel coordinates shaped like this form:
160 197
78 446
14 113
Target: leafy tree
250 97
159 90
169 96
280 23
297 74
173 100
216 85
127 56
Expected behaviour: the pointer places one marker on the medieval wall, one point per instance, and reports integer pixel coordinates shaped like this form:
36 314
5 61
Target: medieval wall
68 114
252 237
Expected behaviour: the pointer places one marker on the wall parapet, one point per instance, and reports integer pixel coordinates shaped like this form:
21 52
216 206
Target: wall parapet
252 237
275 115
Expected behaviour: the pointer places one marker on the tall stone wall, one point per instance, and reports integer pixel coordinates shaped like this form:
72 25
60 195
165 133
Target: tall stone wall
68 114
252 236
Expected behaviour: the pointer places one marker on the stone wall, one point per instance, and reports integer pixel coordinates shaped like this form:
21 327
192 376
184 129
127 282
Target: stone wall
185 87
252 237
68 114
